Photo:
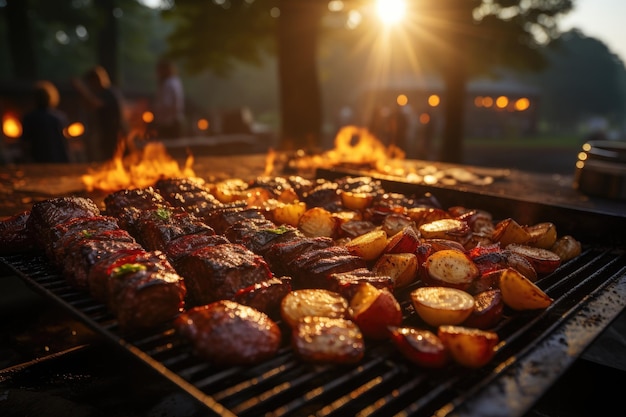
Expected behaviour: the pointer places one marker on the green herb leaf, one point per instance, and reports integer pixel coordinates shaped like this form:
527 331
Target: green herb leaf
127 269
86 233
163 213
279 230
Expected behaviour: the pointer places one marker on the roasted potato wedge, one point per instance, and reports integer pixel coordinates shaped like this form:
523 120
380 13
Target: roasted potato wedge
519 293
450 268
395 222
542 235
312 302
288 213
318 222
442 305
488 308
420 346
566 247
423 215
327 340
401 267
469 347
543 261
374 310
368 246
353 200
509 231
451 229
404 241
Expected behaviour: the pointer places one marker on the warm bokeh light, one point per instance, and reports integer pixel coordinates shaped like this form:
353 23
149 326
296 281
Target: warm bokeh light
11 126
391 11
402 100
424 118
522 104
434 100
75 130
478 101
582 156
586 147
502 102
203 124
147 117
487 102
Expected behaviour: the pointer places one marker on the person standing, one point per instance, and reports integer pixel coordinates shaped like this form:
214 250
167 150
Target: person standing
169 114
42 139
107 102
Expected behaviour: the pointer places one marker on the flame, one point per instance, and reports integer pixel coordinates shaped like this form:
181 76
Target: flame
269 162
141 168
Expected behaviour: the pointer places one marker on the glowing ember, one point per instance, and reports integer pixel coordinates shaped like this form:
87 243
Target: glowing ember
142 168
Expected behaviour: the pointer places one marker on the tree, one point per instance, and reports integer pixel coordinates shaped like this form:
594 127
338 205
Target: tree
459 37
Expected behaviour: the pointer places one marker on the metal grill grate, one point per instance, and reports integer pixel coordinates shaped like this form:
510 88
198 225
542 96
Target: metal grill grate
589 292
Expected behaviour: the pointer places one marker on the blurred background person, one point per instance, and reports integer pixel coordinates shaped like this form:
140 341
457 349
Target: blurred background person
109 122
42 137
169 106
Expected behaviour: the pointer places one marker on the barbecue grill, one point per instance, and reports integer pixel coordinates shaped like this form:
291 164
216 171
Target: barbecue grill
537 347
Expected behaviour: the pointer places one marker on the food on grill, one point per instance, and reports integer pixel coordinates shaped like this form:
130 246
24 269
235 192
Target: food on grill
62 235
374 310
403 241
312 302
327 340
488 310
355 200
222 218
520 293
185 244
450 268
442 305
441 244
281 255
509 231
127 205
347 283
542 235
469 347
312 268
288 213
228 333
265 296
317 221
259 235
543 261
420 346
451 229
567 248
401 267
369 245
190 194
44 215
16 237
218 272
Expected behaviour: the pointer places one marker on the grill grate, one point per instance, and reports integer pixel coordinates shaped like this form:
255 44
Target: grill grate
537 347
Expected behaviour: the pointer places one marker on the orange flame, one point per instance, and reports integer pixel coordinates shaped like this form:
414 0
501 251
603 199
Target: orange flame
142 168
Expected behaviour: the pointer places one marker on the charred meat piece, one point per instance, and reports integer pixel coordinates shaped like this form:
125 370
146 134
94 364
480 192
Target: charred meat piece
80 227
127 205
16 237
144 295
325 195
218 272
328 340
186 244
44 215
259 235
227 333
265 296
68 242
281 254
156 228
312 268
222 218
84 253
191 194
346 283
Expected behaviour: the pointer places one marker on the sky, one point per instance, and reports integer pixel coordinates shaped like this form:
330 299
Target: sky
600 19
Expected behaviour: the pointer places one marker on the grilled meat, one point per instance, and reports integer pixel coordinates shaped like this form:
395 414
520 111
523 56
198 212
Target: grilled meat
185 244
259 235
191 194
346 283
16 237
44 215
282 254
62 235
127 205
227 333
312 268
222 218
218 272
325 195
156 228
265 296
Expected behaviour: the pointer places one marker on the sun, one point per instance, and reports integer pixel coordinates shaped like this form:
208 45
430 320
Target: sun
391 11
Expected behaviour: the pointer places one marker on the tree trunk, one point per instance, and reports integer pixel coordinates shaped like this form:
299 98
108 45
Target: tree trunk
107 41
300 97
20 39
455 79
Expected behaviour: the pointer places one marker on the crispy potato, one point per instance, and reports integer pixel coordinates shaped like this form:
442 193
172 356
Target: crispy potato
423 215
566 248
450 268
509 231
230 190
451 229
374 310
420 346
519 293
469 347
405 241
543 261
356 200
442 305
441 244
487 281
395 222
288 213
542 235
312 302
401 267
317 222
327 340
521 264
488 308
368 246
